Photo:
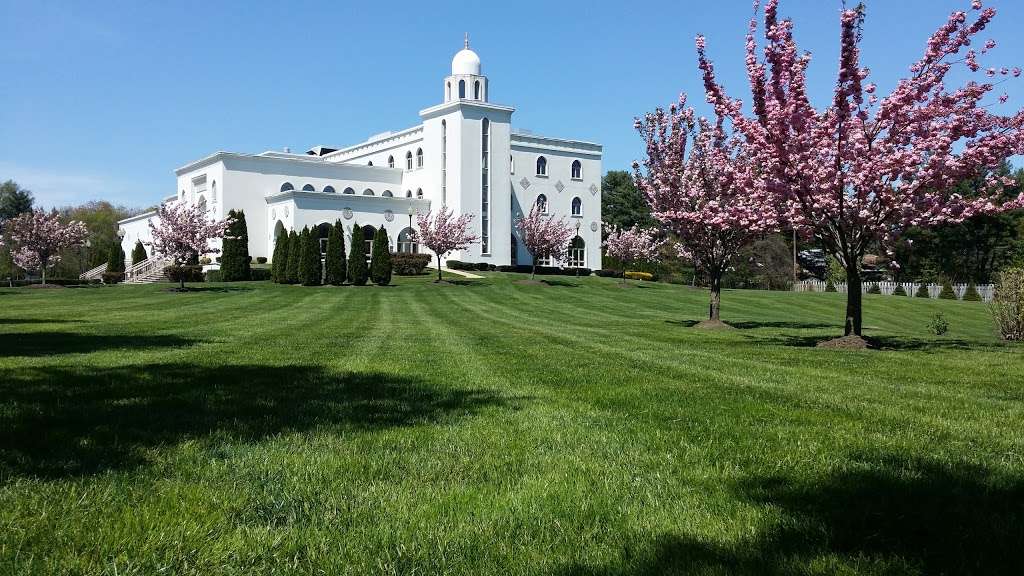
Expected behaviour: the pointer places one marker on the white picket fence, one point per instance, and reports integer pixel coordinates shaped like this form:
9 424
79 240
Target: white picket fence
887 288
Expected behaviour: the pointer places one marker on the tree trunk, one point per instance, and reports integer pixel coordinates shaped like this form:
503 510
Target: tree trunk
43 270
438 267
714 306
854 300
181 280
533 271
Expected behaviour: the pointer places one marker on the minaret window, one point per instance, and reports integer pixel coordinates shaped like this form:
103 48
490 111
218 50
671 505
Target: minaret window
476 90
444 162
391 161
577 170
419 157
462 89
408 160
542 166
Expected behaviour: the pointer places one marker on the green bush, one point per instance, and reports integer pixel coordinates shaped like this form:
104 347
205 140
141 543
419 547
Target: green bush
260 274
185 273
115 259
59 281
380 259
310 273
947 291
971 293
334 261
1008 304
291 274
215 275
899 291
874 289
138 253
261 259
357 272
830 286
922 291
235 263
279 265
406 264
938 324
108 278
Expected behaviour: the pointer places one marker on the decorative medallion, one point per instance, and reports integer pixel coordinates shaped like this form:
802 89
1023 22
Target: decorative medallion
593 189
559 186
524 183
347 213
389 215
594 226
285 211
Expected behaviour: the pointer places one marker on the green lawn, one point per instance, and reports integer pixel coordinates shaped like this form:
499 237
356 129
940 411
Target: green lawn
495 428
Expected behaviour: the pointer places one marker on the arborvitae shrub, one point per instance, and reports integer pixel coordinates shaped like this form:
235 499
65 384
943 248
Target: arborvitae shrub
334 260
138 253
899 291
874 289
280 261
1008 303
291 273
380 265
115 264
922 291
947 291
357 272
309 268
971 294
235 263
830 286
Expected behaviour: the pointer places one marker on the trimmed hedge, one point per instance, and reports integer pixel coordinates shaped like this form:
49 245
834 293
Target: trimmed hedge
922 291
899 291
291 271
280 261
310 271
406 264
947 291
107 277
185 273
357 271
57 281
632 275
257 274
236 260
380 265
874 289
334 260
609 273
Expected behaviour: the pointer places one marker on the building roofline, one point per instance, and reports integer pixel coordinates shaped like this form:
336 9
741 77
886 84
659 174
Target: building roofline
376 139
137 217
445 106
302 159
525 137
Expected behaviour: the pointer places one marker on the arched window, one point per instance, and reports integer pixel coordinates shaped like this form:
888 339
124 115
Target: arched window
476 90
182 195
323 231
329 189
278 231
202 203
348 191
462 89
308 188
408 193
577 253
511 164
485 186
577 207
284 188
444 162
419 192
419 157
213 192
368 192
391 161
542 166
368 233
408 160
407 242
448 91
577 170
542 203
387 194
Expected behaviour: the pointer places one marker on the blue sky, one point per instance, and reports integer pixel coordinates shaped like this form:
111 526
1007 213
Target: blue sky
102 100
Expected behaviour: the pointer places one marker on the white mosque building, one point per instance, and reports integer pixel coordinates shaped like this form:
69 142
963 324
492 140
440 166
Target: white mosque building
464 155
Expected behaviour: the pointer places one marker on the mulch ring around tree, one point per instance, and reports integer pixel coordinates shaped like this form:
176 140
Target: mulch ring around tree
850 342
713 325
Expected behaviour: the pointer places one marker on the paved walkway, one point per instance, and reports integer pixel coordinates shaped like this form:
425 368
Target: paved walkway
462 273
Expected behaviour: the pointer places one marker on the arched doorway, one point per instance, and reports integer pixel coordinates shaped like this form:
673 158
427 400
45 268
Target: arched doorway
368 233
577 253
323 231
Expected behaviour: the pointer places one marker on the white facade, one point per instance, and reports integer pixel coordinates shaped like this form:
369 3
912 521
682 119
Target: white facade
464 155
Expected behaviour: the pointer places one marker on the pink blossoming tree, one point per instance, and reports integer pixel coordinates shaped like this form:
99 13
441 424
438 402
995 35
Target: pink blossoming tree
38 238
443 233
632 246
543 236
703 188
183 233
865 168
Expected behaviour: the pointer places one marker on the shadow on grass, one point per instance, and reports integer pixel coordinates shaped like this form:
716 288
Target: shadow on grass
751 325
891 516
188 288
560 283
50 343
683 323
63 422
884 343
16 321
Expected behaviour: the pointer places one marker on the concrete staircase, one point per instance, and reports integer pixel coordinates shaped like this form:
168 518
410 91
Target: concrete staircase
146 272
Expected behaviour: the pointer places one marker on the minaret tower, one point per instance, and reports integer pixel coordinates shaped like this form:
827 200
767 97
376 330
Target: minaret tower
465 82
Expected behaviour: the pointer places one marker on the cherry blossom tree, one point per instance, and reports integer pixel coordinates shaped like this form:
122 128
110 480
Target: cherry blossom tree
183 233
704 189
544 236
442 233
865 168
38 238
631 246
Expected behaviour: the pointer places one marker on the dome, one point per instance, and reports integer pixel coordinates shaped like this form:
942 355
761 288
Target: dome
466 61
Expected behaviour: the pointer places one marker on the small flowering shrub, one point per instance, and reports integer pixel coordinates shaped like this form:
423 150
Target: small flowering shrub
938 324
406 264
638 275
1008 304
874 289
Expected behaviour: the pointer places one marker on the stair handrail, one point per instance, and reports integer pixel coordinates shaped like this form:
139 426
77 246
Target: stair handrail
93 273
143 268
